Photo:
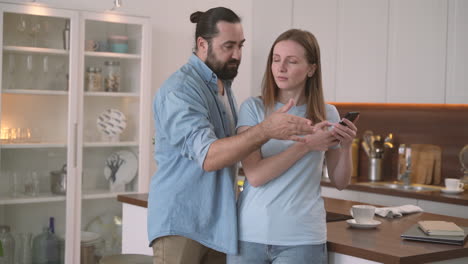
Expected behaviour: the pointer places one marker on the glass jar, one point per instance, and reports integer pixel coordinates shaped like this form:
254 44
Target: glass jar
112 76
93 79
8 245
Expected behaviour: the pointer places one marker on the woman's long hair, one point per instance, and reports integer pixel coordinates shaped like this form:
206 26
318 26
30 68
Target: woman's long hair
313 87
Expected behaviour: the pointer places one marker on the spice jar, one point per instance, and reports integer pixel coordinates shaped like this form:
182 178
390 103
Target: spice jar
93 79
112 76
8 245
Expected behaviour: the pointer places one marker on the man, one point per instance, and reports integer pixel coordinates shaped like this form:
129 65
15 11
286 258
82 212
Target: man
191 206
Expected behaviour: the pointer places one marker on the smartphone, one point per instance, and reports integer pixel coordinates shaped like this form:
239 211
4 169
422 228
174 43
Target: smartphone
351 116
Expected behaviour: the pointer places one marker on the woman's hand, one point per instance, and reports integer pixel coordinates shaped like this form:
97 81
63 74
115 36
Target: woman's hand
321 139
345 134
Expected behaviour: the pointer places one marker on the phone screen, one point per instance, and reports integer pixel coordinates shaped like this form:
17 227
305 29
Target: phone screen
351 116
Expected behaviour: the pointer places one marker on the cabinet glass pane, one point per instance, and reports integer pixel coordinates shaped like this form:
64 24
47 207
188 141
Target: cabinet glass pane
111 120
33 143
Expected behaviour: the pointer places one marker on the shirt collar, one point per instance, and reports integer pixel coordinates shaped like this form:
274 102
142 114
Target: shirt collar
206 73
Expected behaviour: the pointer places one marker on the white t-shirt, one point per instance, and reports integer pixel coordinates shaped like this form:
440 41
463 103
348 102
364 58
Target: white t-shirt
289 209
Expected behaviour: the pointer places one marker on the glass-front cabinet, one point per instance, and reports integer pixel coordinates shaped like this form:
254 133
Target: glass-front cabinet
75 117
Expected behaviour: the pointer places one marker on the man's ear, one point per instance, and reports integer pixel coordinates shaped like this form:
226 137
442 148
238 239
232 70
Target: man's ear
202 48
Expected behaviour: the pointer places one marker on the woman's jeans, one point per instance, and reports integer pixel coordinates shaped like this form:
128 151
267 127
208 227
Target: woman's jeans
254 253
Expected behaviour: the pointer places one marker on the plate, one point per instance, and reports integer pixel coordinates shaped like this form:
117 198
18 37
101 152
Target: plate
109 227
111 122
372 224
450 191
121 167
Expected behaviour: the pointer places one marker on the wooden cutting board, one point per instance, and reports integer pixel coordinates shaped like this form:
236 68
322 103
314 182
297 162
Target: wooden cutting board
425 164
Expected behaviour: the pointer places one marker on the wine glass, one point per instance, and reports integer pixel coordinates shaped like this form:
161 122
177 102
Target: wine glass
44 78
21 28
35 29
11 71
29 71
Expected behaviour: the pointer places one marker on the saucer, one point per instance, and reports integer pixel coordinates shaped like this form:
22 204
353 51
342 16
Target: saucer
372 224
451 191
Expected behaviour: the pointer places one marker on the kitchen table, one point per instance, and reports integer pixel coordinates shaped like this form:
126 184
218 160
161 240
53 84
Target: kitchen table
345 245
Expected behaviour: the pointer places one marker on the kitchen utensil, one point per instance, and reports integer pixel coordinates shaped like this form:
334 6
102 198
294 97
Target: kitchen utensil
367 136
426 162
463 157
58 180
375 169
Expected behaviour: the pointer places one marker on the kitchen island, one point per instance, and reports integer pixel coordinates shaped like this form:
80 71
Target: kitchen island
345 244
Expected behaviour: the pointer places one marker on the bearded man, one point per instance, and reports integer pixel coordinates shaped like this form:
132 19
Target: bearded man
192 203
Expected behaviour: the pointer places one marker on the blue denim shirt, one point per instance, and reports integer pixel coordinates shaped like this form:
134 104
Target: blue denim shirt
184 199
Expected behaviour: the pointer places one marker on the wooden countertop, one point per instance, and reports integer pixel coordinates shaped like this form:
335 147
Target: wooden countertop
382 244
435 196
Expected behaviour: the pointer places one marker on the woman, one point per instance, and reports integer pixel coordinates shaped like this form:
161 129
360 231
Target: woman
281 212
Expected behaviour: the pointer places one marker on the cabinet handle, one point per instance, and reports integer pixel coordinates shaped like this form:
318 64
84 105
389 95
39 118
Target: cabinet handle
75 144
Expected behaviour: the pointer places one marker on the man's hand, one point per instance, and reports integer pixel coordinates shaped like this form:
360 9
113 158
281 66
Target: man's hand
321 139
281 125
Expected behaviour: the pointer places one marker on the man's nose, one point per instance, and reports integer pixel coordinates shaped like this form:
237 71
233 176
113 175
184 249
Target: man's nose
237 54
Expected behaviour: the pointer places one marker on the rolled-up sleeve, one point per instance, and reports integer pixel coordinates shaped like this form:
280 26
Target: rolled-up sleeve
186 120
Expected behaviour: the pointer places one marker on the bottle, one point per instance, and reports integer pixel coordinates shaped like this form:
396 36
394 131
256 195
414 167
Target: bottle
112 76
66 36
93 80
8 245
46 246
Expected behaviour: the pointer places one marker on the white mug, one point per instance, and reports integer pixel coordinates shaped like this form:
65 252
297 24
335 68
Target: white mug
453 184
363 214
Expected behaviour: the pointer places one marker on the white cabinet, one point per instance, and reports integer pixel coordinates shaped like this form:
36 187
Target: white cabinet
320 17
417 51
457 53
48 119
362 51
382 51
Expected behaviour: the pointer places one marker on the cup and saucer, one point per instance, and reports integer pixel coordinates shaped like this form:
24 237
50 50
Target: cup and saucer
363 217
452 186
452 191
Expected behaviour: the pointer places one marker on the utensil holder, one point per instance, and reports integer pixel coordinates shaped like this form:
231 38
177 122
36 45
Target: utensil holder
375 169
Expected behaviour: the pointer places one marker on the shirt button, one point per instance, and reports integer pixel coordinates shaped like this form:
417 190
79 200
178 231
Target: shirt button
224 112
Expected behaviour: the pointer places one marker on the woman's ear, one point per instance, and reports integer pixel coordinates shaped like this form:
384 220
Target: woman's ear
312 69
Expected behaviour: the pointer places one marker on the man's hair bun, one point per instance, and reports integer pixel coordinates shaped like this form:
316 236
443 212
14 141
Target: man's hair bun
195 17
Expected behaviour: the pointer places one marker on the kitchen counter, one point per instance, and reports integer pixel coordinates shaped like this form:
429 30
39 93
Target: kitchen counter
436 195
382 244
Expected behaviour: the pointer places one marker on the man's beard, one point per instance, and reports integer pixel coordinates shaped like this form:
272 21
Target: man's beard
224 71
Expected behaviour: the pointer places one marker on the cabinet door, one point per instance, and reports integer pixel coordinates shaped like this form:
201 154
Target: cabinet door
320 17
457 53
37 116
362 51
417 51
115 120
